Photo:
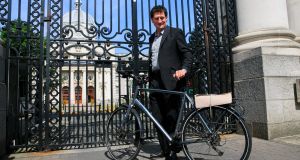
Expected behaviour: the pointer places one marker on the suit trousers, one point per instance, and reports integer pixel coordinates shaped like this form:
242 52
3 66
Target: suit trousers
165 108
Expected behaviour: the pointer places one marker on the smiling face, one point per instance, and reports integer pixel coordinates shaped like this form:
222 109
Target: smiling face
159 20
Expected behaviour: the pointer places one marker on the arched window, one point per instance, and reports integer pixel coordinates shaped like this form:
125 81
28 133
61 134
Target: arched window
78 95
91 94
65 95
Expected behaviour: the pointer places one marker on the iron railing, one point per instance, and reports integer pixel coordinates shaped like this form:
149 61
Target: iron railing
62 56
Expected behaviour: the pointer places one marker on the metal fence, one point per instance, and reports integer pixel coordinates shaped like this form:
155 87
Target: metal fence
62 57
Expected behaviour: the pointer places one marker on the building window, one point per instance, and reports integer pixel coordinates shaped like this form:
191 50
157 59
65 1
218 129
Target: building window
91 94
78 95
65 95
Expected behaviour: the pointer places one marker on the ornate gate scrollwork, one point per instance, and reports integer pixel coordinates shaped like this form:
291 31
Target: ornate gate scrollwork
62 57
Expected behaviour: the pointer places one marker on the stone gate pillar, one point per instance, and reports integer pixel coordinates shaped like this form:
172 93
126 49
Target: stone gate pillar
294 19
266 66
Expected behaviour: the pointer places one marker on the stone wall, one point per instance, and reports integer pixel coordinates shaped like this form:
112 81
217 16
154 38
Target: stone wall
265 80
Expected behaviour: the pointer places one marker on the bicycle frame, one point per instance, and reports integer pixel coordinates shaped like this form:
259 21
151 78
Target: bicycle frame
136 102
208 124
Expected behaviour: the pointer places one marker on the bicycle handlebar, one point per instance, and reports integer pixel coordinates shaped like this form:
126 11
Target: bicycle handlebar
141 79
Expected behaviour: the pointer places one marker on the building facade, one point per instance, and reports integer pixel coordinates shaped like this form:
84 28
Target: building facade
83 84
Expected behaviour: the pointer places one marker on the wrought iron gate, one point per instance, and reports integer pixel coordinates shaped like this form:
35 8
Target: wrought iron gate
62 57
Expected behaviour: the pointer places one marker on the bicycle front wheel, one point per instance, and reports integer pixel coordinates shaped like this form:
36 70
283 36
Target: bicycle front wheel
229 138
123 134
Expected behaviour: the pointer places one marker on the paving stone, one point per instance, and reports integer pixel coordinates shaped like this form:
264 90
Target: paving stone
285 148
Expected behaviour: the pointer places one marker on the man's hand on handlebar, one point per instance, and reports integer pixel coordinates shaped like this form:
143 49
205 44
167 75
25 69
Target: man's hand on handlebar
179 74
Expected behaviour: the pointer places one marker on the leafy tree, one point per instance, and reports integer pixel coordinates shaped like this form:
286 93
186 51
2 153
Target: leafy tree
20 35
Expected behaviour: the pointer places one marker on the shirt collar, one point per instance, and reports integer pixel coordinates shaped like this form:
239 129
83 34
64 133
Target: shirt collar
161 33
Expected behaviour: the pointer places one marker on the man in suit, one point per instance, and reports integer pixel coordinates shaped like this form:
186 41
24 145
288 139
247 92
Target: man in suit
170 61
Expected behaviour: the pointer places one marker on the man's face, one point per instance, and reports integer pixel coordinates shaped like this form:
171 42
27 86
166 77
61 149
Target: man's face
159 20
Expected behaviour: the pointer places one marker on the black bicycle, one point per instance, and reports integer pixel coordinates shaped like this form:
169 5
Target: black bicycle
208 133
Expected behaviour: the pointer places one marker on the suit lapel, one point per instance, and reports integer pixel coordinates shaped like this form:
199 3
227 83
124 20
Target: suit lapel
151 39
164 36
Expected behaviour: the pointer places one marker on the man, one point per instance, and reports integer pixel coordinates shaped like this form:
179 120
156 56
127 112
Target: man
170 61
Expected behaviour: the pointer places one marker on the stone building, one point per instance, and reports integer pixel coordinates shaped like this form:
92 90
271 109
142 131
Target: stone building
79 83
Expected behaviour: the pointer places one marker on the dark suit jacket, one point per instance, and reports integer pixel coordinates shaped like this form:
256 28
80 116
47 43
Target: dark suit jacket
174 54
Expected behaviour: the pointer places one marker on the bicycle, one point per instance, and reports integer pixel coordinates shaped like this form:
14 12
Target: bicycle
208 133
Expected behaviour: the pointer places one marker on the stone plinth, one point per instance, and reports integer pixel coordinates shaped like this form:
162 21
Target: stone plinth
265 80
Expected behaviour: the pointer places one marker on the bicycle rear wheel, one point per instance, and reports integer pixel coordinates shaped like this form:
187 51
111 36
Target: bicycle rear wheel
229 139
123 134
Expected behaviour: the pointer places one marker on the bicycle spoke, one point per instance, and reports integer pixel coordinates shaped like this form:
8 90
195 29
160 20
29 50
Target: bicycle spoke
122 135
229 138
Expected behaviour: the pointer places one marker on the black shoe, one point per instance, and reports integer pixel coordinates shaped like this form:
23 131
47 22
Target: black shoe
172 156
176 148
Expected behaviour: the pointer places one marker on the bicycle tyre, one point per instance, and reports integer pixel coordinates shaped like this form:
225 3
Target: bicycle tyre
230 139
123 143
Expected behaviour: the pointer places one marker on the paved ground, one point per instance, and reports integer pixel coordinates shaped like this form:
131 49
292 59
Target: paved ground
285 148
